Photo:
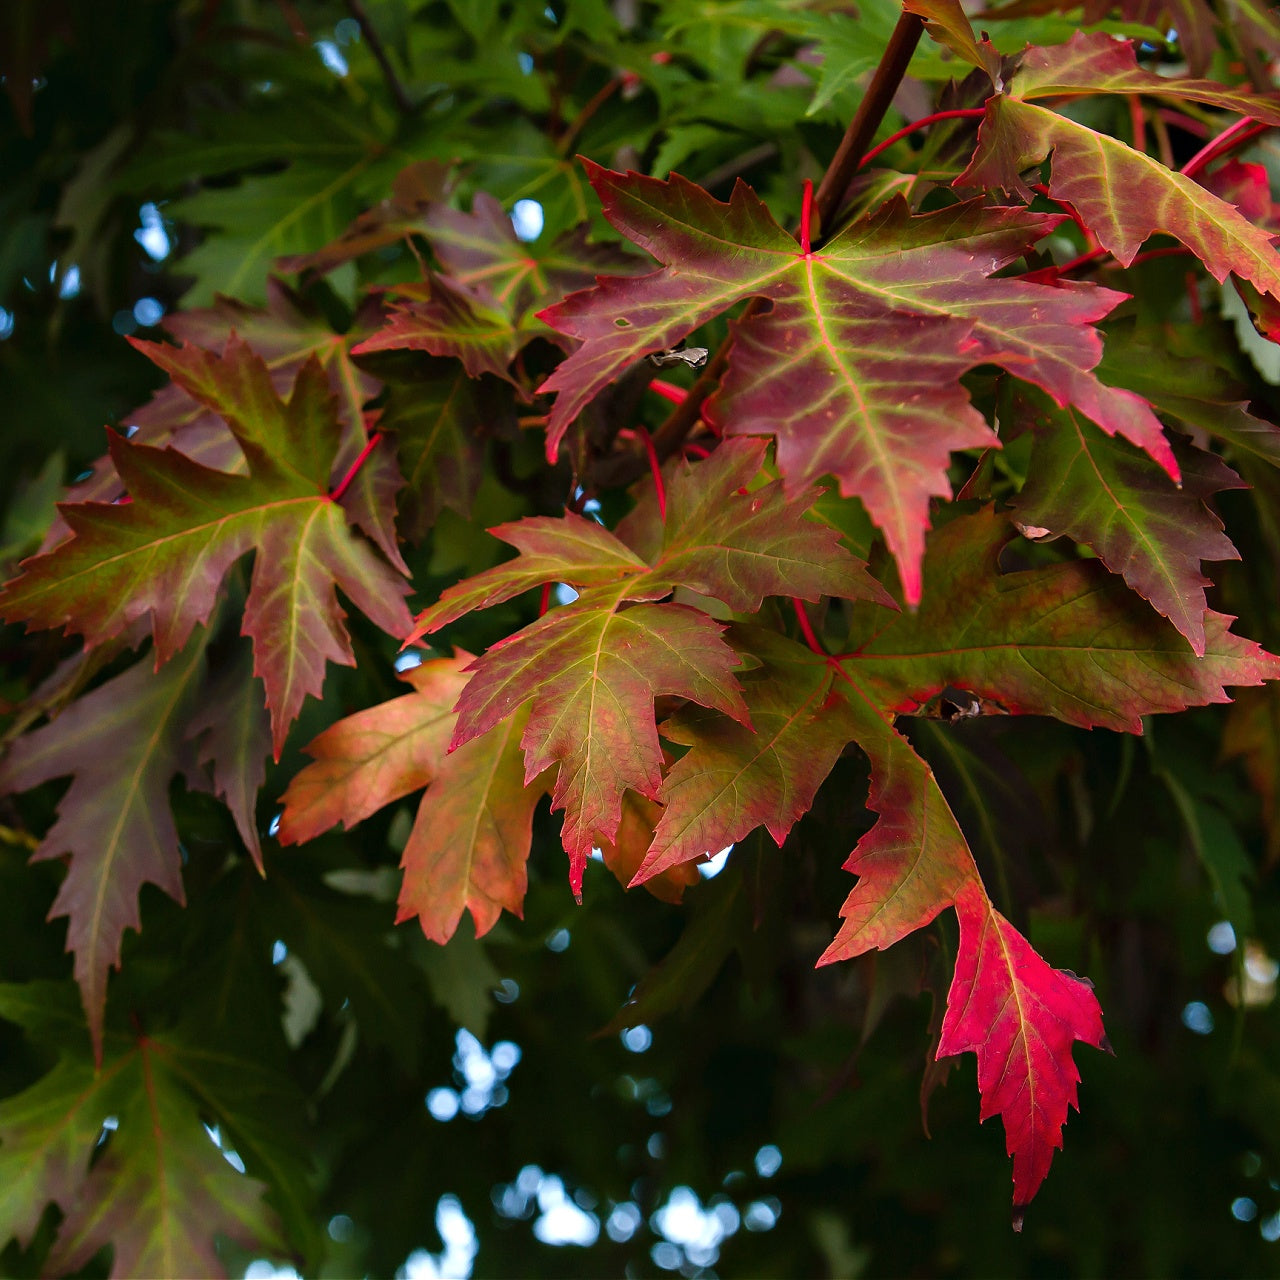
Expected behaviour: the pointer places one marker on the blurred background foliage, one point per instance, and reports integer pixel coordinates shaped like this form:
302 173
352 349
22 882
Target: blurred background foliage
497 1107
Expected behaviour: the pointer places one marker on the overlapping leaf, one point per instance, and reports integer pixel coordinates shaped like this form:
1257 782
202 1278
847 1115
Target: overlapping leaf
160 1193
437 424
856 367
1190 389
1067 640
591 670
735 777
1108 496
285 334
165 552
469 844
1121 195
479 307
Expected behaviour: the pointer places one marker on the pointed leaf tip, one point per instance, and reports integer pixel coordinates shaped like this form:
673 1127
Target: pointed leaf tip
1021 1018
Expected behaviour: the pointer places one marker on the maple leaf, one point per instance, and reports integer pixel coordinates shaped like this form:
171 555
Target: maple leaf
1109 497
415 189
166 552
437 423
1021 1018
232 734
284 333
736 777
592 669
480 307
469 844
160 1191
1084 653
1190 389
856 368
122 745
1006 1004
1120 194
591 672
625 853
1066 640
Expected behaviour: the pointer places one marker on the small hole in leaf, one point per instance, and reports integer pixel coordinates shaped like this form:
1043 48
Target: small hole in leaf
622 324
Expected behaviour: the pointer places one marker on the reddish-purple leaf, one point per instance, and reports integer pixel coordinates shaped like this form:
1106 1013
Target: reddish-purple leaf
856 367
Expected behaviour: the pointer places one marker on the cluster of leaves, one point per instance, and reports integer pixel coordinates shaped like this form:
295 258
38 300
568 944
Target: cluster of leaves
915 473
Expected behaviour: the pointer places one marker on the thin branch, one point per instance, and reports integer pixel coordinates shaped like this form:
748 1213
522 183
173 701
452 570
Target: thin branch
655 467
866 120
579 122
806 218
356 9
1244 130
806 629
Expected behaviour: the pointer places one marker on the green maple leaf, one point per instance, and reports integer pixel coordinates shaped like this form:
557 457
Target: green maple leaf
1110 497
160 1191
165 553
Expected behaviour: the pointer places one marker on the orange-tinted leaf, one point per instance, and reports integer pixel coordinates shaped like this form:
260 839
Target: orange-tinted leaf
469 844
591 671
624 854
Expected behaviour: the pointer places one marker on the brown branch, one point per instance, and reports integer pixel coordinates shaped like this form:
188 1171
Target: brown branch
866 120
356 9
622 469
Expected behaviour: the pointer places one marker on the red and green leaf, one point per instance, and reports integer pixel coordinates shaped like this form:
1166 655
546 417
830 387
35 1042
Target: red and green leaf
121 745
1123 196
1111 498
856 367
165 553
